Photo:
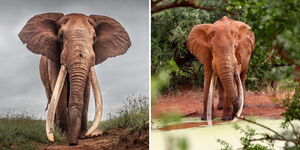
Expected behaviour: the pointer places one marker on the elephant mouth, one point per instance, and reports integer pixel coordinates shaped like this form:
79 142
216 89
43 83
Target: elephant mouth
238 104
55 97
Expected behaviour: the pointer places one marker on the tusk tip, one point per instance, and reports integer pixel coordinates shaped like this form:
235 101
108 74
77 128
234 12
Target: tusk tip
50 137
88 133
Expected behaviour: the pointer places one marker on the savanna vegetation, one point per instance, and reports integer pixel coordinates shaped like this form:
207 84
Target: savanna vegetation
24 131
171 27
276 57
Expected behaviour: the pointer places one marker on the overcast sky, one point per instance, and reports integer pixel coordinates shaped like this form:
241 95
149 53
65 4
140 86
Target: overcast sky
20 86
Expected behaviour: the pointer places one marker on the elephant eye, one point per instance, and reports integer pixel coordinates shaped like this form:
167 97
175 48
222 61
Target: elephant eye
94 38
60 36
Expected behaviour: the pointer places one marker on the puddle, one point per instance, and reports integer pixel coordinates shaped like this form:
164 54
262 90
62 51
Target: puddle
199 136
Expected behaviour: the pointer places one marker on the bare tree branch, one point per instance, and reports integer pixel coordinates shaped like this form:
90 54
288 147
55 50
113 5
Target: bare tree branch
280 137
157 7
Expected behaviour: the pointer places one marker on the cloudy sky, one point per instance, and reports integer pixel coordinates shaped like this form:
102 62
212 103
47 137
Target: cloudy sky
20 86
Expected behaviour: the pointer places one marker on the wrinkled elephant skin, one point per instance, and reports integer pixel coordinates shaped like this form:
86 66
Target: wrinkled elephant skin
70 46
224 48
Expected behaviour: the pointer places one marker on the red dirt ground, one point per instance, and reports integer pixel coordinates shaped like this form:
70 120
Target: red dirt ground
120 139
188 102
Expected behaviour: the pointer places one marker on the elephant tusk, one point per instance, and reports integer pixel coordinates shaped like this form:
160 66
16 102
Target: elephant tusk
98 102
53 103
240 100
210 99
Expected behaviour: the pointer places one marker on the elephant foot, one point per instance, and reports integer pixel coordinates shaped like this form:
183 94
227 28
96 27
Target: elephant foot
97 132
226 117
203 116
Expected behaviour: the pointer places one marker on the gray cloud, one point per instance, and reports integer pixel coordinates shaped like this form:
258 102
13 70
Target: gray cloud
21 87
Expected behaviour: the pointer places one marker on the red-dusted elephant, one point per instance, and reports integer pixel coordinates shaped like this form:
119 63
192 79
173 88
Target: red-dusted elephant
224 48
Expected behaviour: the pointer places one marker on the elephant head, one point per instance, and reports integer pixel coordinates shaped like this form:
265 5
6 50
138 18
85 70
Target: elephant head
226 47
77 42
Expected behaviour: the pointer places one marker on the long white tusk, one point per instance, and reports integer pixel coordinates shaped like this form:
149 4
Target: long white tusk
210 99
53 103
98 102
240 98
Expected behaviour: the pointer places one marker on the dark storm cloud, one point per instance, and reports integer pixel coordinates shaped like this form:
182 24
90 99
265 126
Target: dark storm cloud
21 87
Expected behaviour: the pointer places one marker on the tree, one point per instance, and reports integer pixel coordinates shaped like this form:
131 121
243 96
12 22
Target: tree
171 27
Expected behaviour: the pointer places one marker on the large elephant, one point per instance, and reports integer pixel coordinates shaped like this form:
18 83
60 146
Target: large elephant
70 46
224 48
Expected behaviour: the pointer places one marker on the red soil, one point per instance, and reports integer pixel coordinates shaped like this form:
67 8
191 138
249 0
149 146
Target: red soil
120 139
188 102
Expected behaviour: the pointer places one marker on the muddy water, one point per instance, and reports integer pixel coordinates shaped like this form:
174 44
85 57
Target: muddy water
202 137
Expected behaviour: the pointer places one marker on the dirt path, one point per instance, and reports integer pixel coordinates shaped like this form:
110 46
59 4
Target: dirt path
120 139
188 102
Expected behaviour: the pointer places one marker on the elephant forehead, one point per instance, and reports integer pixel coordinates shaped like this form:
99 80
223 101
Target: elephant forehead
76 15
223 28
77 21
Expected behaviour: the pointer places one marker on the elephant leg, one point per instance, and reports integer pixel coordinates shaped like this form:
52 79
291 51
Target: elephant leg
221 95
84 115
207 78
61 115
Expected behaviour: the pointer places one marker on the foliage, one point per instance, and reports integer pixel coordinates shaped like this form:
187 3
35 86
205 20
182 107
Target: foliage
177 143
211 5
250 137
276 26
24 131
290 127
134 115
160 80
169 31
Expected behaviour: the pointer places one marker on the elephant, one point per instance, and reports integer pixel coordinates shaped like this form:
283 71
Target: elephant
224 48
70 45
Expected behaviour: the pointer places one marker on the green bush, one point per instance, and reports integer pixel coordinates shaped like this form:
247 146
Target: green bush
169 32
133 115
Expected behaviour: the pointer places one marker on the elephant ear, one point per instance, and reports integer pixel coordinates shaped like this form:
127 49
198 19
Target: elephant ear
111 38
40 35
246 38
198 42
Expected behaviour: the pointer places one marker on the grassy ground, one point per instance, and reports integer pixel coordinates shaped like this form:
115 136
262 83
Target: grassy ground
134 115
22 131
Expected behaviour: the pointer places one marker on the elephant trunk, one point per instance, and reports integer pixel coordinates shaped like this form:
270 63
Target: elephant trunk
231 81
78 73
228 82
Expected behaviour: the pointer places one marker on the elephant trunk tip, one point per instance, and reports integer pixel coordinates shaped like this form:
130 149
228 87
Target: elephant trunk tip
73 142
